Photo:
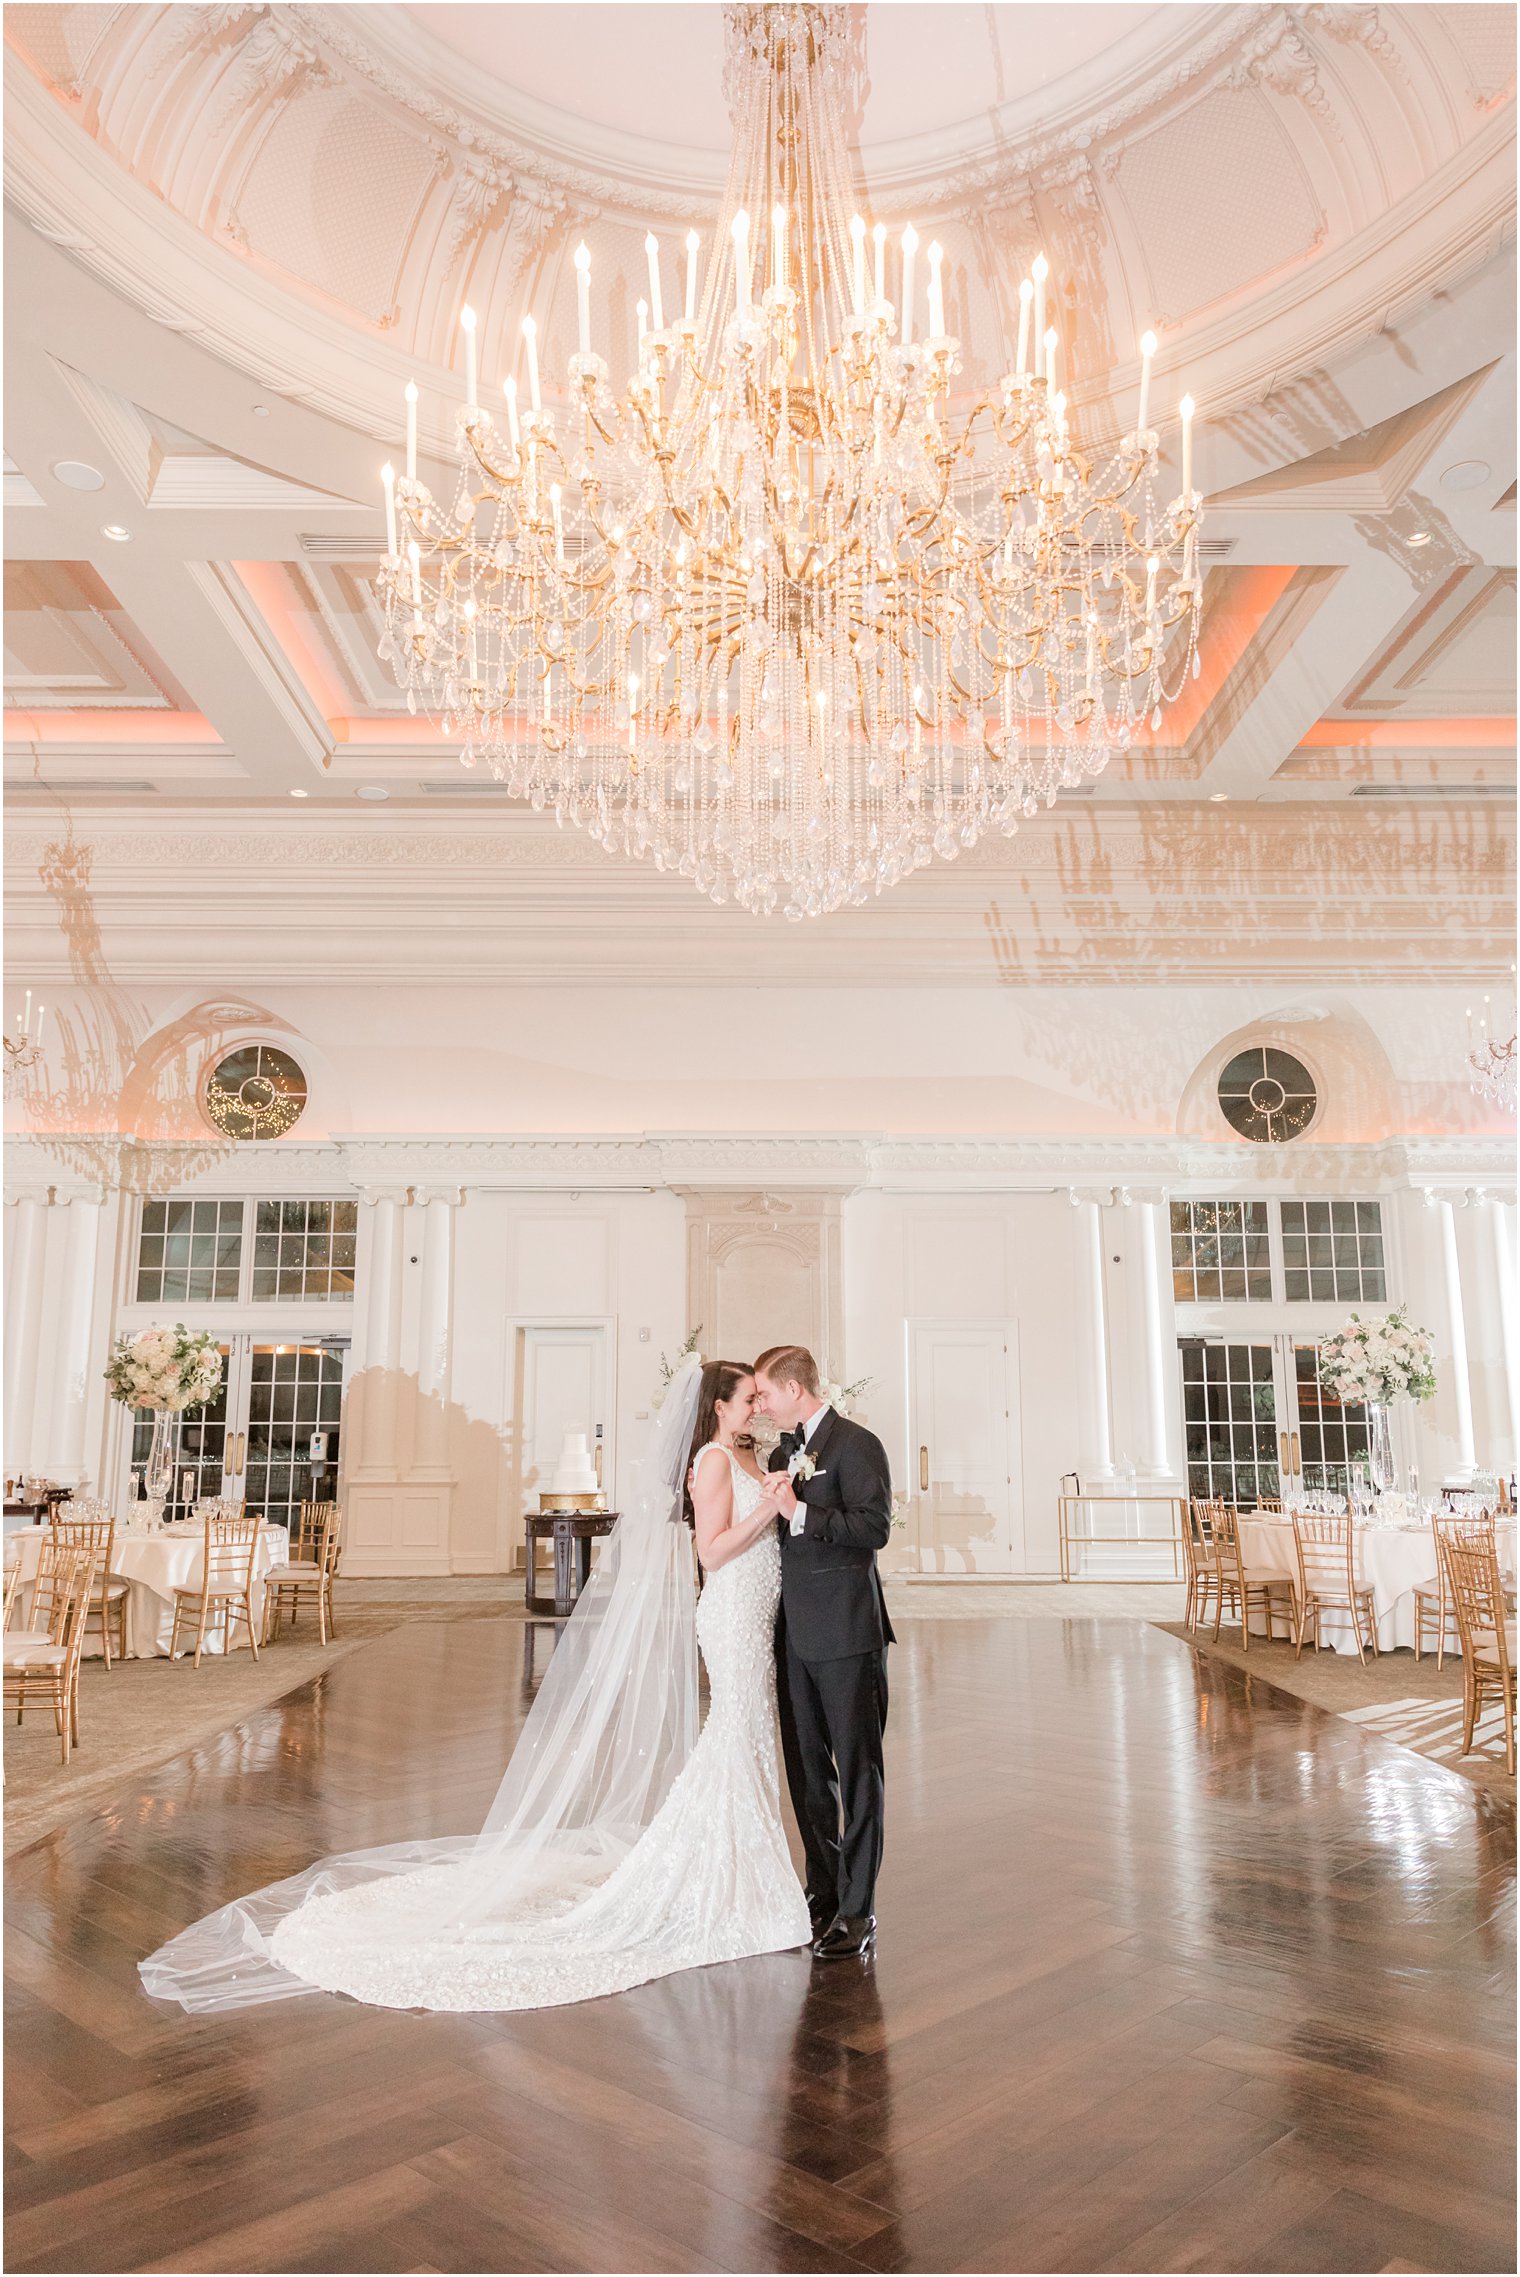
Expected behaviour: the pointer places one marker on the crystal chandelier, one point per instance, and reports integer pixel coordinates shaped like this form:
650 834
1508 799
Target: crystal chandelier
1490 1060
786 615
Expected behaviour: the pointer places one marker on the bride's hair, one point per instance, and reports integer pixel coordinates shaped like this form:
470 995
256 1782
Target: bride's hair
720 1380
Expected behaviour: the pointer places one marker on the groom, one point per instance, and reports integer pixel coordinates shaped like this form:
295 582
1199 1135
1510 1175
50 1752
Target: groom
833 1496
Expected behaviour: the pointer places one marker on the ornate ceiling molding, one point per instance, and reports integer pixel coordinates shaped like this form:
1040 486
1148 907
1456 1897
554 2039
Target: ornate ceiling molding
819 1165
632 174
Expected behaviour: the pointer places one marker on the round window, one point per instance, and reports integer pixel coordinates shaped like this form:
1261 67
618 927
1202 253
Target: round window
255 1093
1267 1095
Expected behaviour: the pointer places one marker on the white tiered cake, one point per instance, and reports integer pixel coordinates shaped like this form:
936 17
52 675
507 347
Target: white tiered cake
574 1484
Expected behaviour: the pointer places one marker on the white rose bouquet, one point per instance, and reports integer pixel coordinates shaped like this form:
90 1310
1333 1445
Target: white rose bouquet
1379 1360
165 1369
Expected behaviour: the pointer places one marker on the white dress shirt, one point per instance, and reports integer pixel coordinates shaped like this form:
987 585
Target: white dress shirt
799 1515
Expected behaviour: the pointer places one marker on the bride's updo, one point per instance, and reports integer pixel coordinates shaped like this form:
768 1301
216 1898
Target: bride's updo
720 1380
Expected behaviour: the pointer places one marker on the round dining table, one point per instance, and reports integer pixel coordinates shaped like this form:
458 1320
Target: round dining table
153 1566
1392 1561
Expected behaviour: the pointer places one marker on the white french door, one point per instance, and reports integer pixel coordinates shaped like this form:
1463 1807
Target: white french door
564 1371
1257 1419
271 1436
965 1501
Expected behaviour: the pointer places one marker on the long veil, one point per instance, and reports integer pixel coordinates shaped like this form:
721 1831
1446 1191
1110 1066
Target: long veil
613 1724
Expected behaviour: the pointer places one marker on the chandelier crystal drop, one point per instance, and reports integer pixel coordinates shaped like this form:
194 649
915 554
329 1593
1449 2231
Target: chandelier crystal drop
788 615
1491 1055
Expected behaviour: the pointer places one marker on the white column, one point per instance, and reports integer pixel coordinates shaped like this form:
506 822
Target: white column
380 1358
73 1354
1155 1457
430 1459
1461 1388
1499 1223
23 1322
1101 1467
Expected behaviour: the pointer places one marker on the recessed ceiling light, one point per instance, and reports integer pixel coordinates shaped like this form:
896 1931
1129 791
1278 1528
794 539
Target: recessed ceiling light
300 794
116 530
260 410
1467 474
1418 538
74 474
372 791
1218 798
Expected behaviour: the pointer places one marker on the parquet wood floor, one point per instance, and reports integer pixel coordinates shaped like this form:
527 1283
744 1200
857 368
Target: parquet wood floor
1175 1972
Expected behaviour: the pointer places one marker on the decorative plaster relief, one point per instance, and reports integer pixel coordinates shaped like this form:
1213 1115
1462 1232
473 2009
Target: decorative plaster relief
1180 184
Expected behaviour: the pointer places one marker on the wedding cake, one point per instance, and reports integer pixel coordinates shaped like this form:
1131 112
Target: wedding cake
573 1485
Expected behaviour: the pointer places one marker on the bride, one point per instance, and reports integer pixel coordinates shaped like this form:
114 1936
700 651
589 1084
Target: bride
621 1846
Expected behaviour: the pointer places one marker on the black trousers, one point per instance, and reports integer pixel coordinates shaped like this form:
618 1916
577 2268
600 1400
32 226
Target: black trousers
833 1714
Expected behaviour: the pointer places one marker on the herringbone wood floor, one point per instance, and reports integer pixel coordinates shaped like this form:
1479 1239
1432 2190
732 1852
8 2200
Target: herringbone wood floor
1175 1973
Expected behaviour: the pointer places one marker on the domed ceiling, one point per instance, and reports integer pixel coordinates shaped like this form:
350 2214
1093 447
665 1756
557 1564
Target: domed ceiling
316 191
237 230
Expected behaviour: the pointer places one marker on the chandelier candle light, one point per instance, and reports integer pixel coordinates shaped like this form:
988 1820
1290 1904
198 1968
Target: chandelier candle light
786 615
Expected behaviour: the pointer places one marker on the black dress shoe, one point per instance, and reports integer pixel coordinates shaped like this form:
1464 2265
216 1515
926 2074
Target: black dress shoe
851 1935
823 1918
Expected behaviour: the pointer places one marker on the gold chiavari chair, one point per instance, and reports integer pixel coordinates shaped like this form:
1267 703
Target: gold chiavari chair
1487 1632
12 1586
307 1576
1432 1603
90 1524
1264 1596
306 1533
1269 1506
225 1592
43 1662
1327 1580
1201 1554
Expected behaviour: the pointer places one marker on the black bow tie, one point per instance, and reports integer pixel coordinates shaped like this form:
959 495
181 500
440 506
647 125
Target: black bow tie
794 1439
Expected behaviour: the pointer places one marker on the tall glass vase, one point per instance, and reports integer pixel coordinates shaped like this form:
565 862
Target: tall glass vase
158 1470
1380 1446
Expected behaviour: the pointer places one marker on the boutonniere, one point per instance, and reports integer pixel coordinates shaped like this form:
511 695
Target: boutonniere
803 1467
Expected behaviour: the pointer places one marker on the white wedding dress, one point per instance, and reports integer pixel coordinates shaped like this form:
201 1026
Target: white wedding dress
706 1878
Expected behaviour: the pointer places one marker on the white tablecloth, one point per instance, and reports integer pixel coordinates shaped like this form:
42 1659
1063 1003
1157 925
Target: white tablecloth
1391 1562
154 1566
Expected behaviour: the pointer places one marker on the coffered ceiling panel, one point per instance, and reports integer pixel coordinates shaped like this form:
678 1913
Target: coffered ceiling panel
1453 654
68 643
166 465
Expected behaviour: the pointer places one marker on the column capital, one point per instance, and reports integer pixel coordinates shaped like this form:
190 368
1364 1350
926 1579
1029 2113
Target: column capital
451 1196
373 1194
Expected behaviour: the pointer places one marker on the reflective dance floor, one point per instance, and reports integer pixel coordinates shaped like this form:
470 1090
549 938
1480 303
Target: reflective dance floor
1175 1972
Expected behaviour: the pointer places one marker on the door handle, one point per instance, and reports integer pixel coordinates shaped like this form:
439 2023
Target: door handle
1298 1468
923 1470
1282 1454
242 1454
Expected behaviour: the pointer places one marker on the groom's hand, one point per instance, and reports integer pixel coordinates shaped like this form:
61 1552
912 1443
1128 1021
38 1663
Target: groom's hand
780 1487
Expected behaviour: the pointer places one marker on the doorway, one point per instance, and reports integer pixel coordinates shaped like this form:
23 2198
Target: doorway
965 1506
271 1437
1256 1417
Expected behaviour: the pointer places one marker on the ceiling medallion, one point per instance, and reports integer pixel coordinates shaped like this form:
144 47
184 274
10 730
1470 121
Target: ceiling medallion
778 616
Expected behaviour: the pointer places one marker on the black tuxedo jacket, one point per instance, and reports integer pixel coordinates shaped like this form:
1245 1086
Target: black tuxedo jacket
832 1604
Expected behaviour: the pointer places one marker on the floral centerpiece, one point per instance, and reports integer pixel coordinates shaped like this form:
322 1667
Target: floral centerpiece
166 1371
1379 1361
